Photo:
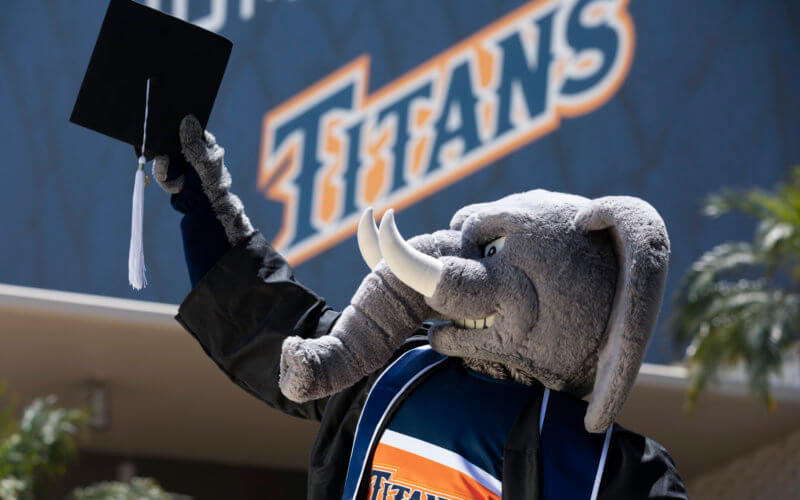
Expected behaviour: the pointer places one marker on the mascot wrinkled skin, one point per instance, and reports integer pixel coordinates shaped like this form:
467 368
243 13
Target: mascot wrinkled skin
537 289
529 286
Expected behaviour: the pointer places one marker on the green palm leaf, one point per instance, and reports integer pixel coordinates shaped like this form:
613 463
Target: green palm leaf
730 319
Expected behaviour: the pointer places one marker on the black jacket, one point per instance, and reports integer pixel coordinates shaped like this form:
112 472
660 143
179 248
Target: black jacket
244 307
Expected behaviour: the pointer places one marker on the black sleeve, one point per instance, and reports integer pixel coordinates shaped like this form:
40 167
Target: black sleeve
639 468
243 308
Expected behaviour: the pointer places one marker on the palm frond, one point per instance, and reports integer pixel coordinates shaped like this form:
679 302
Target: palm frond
743 322
699 285
781 206
743 325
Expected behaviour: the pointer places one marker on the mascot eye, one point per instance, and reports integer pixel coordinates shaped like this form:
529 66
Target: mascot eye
494 246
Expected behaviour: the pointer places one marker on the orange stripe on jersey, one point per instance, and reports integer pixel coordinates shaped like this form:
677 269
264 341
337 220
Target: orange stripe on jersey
408 476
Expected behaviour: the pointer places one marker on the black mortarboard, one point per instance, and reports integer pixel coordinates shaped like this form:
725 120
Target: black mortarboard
147 71
184 62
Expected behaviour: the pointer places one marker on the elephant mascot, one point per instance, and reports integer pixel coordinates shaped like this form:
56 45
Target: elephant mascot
457 370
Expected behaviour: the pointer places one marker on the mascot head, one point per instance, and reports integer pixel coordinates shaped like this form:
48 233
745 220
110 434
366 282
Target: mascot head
537 286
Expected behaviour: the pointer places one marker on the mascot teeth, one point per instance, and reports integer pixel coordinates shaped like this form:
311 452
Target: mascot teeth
472 324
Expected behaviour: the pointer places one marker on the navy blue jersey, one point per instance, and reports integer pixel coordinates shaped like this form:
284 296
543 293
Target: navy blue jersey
448 436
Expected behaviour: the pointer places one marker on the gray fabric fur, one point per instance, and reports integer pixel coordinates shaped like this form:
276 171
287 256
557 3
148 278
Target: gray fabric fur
202 152
382 314
160 169
551 288
576 290
643 252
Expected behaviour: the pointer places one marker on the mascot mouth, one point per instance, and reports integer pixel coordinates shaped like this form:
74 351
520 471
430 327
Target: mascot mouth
419 271
474 324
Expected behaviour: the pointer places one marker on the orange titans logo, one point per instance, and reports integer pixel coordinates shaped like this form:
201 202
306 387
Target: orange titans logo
333 149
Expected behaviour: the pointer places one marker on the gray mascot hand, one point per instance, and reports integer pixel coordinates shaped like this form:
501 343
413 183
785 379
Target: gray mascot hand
202 152
160 170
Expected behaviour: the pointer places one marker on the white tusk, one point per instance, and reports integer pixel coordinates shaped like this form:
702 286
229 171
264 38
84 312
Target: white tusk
368 239
417 270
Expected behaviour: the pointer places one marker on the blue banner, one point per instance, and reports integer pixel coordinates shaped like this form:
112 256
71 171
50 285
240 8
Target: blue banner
425 106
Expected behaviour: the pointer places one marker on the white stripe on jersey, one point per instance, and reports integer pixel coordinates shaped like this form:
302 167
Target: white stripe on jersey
443 456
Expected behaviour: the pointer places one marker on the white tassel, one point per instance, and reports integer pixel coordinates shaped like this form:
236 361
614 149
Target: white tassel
136 267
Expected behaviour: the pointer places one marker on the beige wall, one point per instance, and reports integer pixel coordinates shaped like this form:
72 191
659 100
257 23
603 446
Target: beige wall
771 472
168 400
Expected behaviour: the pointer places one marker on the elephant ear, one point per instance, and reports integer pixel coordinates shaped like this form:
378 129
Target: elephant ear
642 248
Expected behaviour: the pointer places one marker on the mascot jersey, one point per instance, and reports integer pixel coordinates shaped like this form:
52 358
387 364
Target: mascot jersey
447 433
446 440
456 449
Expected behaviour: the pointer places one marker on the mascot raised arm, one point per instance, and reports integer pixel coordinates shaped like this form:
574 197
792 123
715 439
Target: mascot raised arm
459 367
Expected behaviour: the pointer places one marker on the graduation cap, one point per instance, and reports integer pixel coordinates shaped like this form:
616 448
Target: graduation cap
147 71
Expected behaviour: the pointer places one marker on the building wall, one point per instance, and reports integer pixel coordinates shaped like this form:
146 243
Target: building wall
771 472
